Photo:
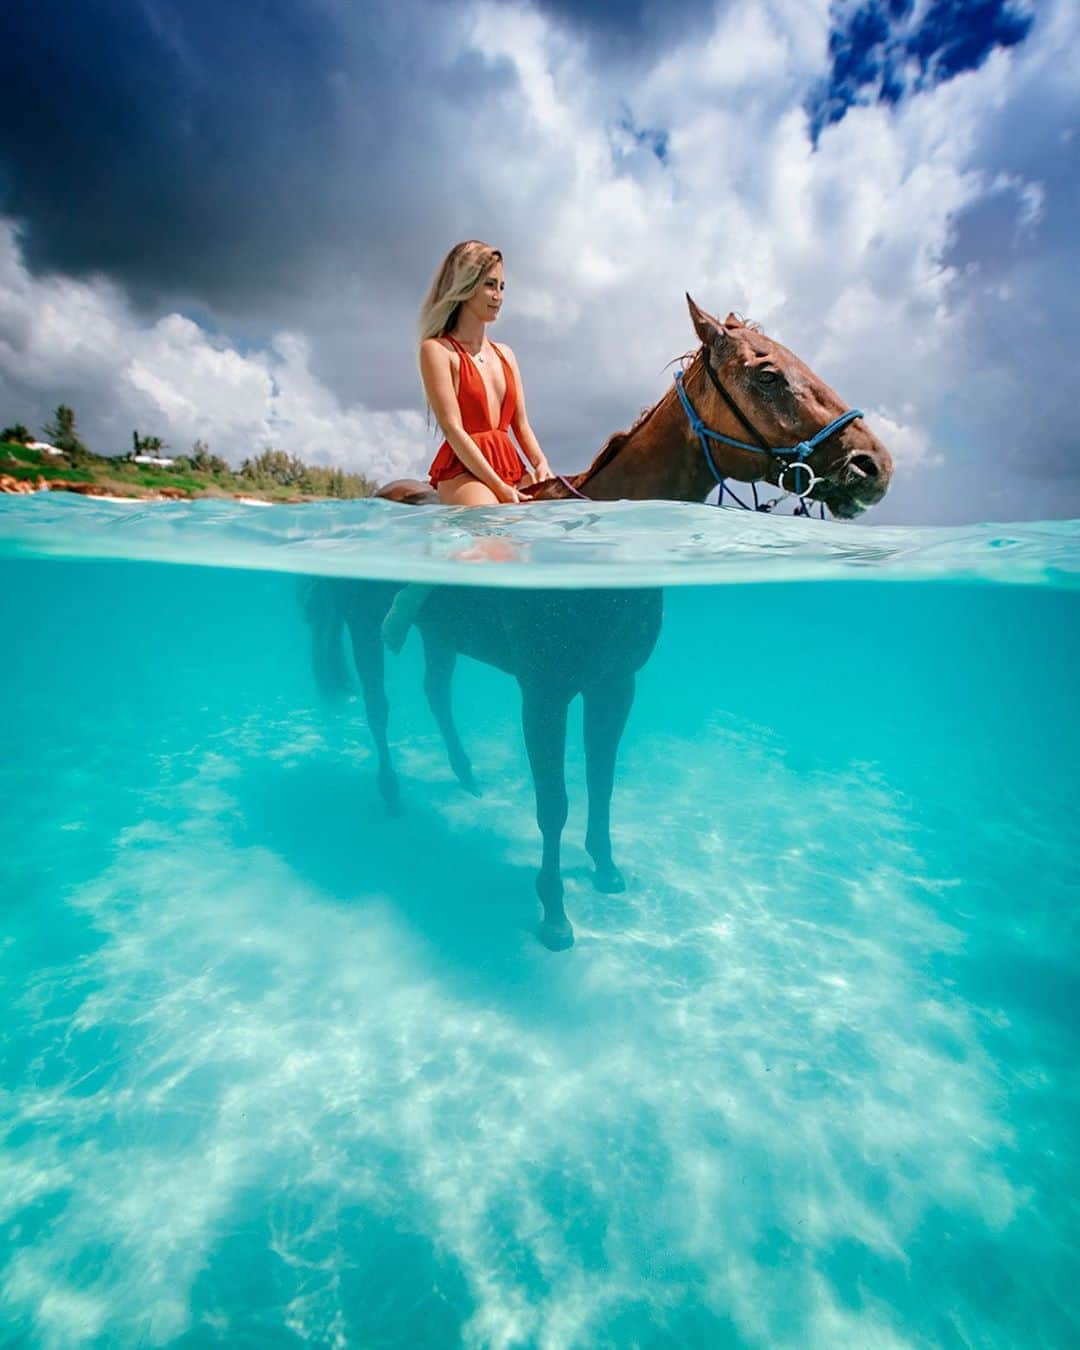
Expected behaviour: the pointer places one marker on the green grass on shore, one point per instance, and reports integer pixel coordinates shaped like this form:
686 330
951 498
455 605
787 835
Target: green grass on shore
123 478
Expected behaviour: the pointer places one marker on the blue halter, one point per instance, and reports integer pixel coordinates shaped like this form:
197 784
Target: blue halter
792 457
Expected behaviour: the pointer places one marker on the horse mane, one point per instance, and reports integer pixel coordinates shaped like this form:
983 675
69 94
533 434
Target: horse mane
618 439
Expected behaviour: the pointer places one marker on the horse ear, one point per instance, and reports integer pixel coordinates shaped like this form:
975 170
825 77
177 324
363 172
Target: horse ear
708 329
733 321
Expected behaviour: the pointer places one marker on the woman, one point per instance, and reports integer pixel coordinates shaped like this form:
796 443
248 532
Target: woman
473 387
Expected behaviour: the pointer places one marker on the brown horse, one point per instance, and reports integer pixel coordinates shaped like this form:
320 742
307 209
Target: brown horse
561 643
740 382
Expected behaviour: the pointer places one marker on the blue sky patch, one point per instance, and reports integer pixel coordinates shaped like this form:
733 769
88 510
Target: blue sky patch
883 50
653 139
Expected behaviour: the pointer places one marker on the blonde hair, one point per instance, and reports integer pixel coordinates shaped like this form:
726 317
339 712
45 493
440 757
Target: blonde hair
458 277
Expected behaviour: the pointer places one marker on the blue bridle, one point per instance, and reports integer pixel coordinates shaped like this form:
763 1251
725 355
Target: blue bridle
793 458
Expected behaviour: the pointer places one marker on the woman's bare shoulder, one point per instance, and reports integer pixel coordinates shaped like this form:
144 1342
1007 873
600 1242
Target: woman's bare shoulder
437 349
507 351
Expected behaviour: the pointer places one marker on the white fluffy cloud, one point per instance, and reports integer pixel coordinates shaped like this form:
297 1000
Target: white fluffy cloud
614 188
843 251
81 342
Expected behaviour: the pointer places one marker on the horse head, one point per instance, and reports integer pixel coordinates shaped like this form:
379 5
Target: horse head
744 380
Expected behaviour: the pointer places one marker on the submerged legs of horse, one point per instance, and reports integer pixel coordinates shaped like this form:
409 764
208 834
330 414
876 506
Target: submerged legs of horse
439 662
368 655
606 710
328 605
557 645
543 719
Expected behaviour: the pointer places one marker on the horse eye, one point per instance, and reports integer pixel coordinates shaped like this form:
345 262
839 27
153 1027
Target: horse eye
769 376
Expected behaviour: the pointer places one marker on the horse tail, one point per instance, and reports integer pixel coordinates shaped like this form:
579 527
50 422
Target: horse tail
322 602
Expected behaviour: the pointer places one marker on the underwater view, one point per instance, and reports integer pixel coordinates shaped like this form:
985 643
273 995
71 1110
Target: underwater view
312 1039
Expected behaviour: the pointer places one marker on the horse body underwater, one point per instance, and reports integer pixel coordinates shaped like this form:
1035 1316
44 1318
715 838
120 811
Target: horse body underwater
558 644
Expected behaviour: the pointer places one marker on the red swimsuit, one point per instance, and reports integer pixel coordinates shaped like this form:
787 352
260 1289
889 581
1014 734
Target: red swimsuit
494 441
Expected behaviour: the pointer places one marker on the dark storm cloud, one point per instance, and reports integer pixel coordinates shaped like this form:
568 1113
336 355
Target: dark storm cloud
235 155
227 152
885 49
624 28
150 144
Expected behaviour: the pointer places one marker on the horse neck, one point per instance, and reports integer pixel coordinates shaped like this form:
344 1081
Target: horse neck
659 459
662 458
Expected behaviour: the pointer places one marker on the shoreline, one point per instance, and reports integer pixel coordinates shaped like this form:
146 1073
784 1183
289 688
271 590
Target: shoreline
271 478
24 487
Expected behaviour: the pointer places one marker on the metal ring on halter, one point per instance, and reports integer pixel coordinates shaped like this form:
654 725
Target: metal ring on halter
798 464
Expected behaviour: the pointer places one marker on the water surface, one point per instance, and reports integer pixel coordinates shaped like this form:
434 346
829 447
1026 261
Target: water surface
279 1068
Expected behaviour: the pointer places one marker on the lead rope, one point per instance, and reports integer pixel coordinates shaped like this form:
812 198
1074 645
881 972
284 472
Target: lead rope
704 434
800 451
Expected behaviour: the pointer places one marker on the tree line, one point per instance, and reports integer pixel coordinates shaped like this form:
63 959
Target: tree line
59 432
262 472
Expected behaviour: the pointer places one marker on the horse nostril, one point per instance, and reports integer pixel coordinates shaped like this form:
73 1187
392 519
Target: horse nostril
864 466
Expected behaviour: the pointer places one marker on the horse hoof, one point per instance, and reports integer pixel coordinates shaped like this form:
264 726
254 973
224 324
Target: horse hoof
557 935
391 797
609 880
468 782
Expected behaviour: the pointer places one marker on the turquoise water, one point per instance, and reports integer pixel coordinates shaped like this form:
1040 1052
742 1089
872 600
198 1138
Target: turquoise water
283 1068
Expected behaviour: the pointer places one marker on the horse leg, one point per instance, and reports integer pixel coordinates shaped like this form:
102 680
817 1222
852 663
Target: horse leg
607 707
543 717
368 655
439 663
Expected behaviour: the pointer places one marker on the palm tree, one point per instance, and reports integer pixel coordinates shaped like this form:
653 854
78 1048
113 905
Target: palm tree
61 432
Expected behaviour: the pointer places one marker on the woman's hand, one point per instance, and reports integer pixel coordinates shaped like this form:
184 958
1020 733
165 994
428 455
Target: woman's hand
542 470
506 493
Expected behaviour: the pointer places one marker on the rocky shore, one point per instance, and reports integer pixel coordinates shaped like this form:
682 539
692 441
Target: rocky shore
42 484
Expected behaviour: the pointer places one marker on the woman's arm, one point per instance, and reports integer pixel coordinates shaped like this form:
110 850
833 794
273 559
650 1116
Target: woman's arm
526 437
437 374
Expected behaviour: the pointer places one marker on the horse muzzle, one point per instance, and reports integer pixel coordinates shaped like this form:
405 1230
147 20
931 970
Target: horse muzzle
862 478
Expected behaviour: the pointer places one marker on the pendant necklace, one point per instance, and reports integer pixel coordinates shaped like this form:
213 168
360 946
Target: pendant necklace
478 357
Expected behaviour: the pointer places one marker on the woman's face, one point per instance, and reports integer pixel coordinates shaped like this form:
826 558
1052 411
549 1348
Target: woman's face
486 301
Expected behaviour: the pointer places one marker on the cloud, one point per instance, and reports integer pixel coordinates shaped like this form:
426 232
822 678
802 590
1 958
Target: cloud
311 187
80 342
882 50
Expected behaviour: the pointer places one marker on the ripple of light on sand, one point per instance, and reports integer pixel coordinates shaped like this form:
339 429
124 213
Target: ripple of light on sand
741 1071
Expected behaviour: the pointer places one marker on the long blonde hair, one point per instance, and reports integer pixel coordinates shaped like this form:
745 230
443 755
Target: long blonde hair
458 277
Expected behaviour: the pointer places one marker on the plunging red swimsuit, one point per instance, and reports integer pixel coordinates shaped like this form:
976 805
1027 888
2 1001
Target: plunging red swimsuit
494 441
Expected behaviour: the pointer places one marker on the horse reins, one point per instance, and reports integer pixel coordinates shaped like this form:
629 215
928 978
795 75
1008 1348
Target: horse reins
791 458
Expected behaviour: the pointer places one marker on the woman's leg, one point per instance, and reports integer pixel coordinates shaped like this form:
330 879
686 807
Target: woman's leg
461 490
402 614
465 490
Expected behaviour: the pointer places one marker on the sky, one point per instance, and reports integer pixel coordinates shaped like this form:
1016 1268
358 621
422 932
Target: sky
218 221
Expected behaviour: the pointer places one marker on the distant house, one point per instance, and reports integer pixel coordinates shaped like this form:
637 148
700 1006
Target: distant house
44 447
159 461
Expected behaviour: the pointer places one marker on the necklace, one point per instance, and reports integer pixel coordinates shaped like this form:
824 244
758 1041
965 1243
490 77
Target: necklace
478 357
